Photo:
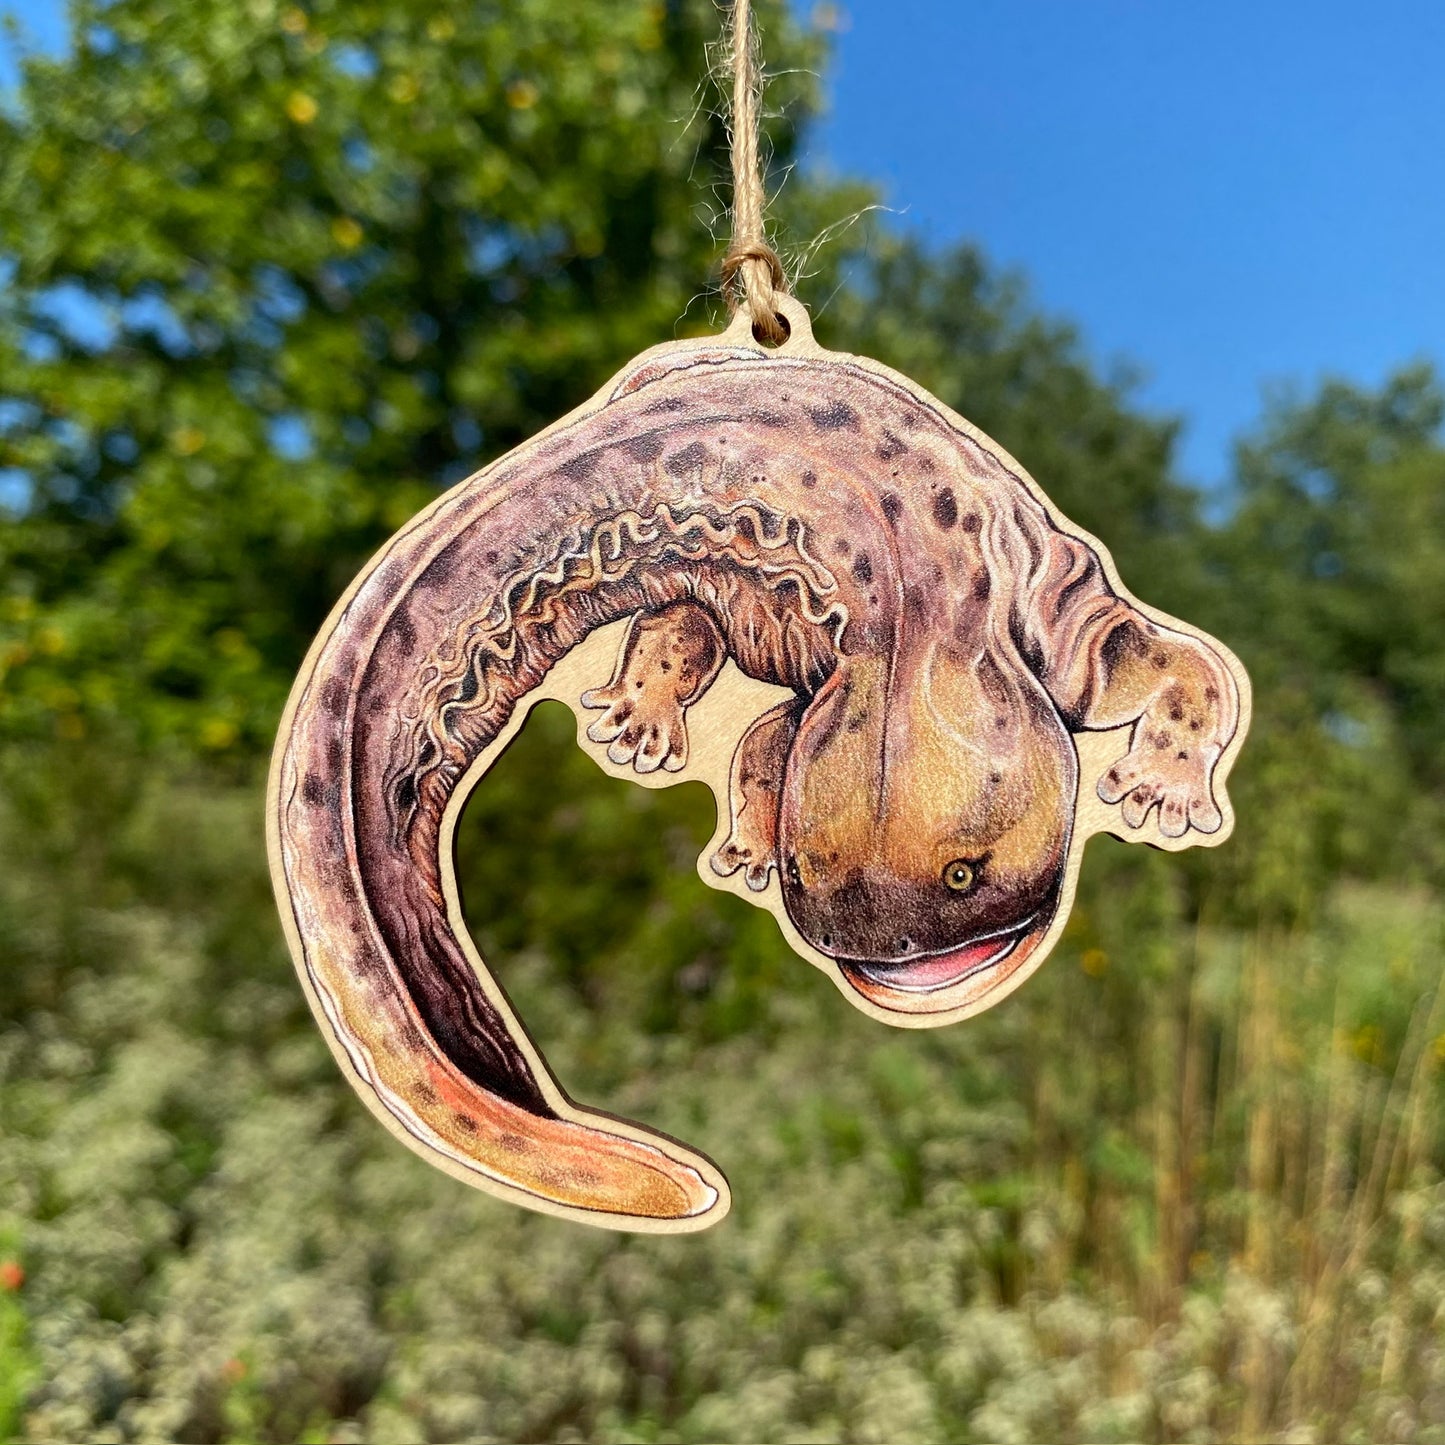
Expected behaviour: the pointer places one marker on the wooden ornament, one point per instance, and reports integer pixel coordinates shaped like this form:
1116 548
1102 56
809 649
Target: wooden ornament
915 688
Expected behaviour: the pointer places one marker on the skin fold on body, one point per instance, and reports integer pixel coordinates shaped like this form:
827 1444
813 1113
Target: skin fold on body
943 636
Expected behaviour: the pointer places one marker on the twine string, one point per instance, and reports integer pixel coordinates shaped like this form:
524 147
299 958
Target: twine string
752 274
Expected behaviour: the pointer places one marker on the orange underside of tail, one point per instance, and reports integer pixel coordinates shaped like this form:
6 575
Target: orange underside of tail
580 1165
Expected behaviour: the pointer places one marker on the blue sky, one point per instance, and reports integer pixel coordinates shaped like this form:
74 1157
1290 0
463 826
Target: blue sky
1230 196
1233 196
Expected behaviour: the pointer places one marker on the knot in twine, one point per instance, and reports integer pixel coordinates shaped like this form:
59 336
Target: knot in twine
752 274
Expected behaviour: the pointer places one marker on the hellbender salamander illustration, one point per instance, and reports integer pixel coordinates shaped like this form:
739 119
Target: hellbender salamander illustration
943 634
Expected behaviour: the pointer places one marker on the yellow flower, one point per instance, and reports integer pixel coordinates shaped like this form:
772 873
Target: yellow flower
1095 962
522 95
404 89
301 108
1368 1044
186 441
293 21
217 733
440 27
347 233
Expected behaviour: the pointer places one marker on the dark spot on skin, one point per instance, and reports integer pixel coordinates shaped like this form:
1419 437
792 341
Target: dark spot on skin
891 446
1176 713
928 464
971 522
1195 724
312 790
1162 740
406 794
491 557
945 508
915 602
1000 722
1126 640
995 778
578 468
622 712
1160 660
665 666
892 505
466 1125
863 569
837 414
768 418
439 570
333 697
842 546
669 403
1211 694
1113 775
810 479
982 586
1182 756
690 459
646 448
857 722
423 1091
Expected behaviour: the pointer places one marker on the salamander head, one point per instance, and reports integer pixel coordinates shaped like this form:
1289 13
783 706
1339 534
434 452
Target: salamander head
922 845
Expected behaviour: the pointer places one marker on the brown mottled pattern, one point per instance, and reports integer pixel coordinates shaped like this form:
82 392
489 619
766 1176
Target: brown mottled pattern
848 543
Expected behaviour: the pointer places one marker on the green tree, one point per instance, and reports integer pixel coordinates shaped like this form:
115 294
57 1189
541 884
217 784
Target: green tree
1330 575
276 273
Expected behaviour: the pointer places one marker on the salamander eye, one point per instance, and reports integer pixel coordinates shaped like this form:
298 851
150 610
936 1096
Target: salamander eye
959 875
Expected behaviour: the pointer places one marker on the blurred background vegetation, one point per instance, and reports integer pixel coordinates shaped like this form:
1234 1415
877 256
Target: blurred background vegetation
270 275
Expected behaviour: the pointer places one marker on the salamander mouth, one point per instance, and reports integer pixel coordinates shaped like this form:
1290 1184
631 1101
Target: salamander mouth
951 978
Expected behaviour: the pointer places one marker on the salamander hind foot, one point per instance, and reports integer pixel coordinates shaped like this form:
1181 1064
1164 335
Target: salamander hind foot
754 788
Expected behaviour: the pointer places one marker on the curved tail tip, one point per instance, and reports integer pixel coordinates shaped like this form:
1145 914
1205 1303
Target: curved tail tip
620 1179
591 1169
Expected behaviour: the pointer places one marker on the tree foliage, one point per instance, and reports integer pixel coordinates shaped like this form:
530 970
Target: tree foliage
276 274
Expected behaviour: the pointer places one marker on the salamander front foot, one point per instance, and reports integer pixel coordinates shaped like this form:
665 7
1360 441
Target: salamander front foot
669 659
